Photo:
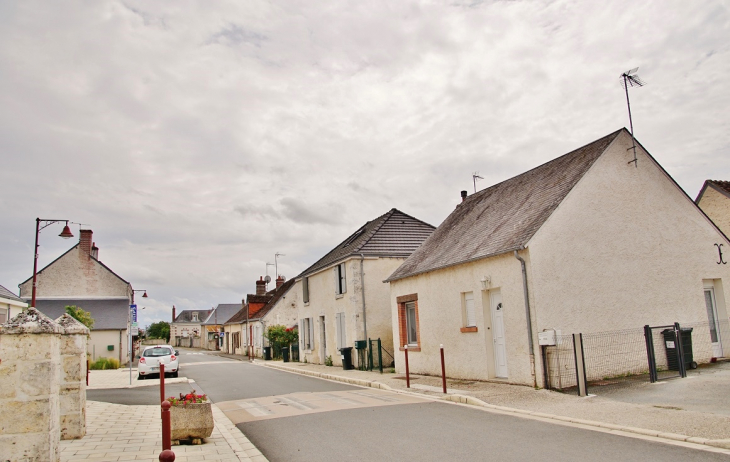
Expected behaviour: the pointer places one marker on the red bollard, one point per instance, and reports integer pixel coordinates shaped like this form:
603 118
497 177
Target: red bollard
443 368
166 455
408 374
162 382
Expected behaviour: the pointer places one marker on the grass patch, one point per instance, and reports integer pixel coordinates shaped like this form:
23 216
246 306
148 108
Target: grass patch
104 363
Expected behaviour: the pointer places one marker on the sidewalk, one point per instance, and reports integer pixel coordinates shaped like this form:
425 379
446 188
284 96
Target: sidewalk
115 432
668 422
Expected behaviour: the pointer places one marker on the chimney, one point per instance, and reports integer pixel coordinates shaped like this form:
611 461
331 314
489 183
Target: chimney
94 251
280 281
173 313
261 286
85 240
463 196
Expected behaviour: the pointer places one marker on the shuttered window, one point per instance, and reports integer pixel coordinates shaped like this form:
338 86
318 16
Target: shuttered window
341 333
340 280
471 319
305 288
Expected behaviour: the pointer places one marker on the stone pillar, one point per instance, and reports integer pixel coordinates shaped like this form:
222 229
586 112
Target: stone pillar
30 378
72 394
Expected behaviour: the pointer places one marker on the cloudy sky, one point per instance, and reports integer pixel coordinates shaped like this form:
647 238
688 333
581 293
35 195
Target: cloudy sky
196 139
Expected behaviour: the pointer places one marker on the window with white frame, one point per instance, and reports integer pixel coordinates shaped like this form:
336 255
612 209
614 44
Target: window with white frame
411 323
306 333
195 316
470 317
305 289
341 332
340 280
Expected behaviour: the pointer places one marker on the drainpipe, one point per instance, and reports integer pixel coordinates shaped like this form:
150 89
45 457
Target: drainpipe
362 287
528 317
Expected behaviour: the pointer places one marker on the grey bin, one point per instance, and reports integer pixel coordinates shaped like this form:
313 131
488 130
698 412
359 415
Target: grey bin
267 353
346 358
670 344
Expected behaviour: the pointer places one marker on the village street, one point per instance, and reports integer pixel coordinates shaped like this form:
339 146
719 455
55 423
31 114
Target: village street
293 417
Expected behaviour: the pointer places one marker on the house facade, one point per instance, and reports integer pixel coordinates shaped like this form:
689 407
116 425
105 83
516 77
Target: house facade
238 329
714 200
342 298
213 326
79 278
281 309
10 305
186 329
588 242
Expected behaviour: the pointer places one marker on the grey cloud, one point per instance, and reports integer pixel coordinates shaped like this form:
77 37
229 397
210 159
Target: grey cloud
300 212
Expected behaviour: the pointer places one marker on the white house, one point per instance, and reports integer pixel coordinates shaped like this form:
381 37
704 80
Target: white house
186 328
588 242
714 200
341 298
10 305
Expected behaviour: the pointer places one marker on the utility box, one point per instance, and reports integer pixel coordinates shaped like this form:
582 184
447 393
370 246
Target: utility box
361 344
110 347
548 337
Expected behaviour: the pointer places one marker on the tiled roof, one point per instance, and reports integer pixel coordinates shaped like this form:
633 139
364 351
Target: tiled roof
394 234
108 314
721 186
222 313
504 217
5 293
280 292
187 315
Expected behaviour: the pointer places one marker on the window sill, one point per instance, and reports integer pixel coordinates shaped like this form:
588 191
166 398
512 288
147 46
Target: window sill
469 329
306 303
411 348
339 296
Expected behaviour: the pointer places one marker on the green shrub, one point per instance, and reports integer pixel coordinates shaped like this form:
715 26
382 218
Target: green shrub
328 361
104 363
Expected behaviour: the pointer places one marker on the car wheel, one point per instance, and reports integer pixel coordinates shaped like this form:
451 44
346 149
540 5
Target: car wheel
140 377
174 374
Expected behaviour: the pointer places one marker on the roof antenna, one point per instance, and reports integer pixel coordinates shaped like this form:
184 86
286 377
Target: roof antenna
630 79
276 262
268 278
474 177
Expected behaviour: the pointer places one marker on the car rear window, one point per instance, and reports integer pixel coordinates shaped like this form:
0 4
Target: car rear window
153 352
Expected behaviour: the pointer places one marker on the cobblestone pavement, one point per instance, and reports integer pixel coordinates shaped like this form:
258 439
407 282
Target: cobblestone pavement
115 432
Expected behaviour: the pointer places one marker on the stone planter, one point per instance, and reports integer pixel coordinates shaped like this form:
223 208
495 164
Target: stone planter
192 422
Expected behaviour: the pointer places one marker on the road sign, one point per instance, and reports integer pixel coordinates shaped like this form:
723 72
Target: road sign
134 313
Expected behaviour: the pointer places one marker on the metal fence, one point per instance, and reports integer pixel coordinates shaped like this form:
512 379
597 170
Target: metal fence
622 357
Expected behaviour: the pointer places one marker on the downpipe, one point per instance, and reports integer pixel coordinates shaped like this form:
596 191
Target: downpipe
528 317
362 288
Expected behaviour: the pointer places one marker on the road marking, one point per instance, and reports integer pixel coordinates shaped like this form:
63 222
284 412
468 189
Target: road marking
295 404
201 363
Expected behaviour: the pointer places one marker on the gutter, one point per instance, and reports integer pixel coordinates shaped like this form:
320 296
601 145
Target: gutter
362 287
528 317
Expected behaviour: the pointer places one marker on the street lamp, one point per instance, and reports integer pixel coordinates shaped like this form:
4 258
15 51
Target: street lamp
132 319
66 234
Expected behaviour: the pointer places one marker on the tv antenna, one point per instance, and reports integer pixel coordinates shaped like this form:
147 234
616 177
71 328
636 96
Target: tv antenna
276 262
630 79
268 278
475 176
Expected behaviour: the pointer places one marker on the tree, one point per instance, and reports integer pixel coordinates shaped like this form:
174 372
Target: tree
84 317
280 336
158 330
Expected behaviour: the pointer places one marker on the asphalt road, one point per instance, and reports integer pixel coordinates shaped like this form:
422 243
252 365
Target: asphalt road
291 417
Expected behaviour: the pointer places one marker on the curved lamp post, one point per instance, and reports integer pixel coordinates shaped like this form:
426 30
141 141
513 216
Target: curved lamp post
39 225
129 330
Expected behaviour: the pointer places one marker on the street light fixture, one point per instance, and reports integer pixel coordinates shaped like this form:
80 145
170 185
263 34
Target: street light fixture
66 234
132 319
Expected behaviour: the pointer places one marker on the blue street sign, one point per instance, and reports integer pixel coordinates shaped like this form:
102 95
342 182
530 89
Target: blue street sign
134 312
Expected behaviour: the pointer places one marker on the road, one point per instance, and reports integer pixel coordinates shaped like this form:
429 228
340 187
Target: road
290 417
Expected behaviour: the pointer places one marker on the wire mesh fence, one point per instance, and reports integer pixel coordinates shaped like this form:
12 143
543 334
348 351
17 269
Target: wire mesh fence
620 358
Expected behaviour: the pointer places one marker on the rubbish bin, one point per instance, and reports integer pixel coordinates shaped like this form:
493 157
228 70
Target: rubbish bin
346 358
285 354
670 344
267 353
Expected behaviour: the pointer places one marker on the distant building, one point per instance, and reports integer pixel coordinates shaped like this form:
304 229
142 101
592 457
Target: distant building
714 200
186 328
213 326
10 305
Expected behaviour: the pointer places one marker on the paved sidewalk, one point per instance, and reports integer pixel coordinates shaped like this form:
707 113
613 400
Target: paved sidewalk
115 432
668 422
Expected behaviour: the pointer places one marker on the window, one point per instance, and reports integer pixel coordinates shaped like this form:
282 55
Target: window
306 333
341 332
468 313
408 322
340 281
195 316
3 315
305 289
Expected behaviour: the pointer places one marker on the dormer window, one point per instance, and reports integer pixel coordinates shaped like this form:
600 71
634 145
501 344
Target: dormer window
195 316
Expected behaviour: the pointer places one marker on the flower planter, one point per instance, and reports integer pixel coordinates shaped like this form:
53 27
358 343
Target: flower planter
193 421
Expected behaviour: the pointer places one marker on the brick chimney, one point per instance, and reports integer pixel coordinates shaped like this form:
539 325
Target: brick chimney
85 240
280 281
261 286
463 196
173 313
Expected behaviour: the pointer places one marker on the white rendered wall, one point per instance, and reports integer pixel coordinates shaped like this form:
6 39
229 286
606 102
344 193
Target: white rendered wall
100 339
717 206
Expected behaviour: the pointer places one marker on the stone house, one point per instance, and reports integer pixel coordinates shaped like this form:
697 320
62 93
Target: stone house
79 278
281 309
237 329
10 305
213 325
186 327
588 242
714 200
341 298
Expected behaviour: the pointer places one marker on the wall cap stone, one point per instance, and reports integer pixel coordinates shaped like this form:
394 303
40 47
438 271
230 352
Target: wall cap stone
30 321
71 326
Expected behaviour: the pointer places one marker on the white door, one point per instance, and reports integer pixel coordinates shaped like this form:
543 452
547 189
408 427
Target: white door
714 321
500 350
322 341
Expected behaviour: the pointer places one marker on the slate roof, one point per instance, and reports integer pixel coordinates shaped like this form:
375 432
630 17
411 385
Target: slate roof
719 185
503 217
5 293
108 314
187 315
394 234
63 254
222 313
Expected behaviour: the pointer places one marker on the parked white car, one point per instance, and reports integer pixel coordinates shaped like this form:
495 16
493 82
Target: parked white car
151 357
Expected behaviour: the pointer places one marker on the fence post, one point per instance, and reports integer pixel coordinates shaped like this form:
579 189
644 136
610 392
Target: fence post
579 365
162 382
408 377
166 455
443 368
380 355
680 350
648 336
370 354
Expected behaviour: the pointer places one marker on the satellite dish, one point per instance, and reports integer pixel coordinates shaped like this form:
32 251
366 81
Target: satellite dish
267 279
